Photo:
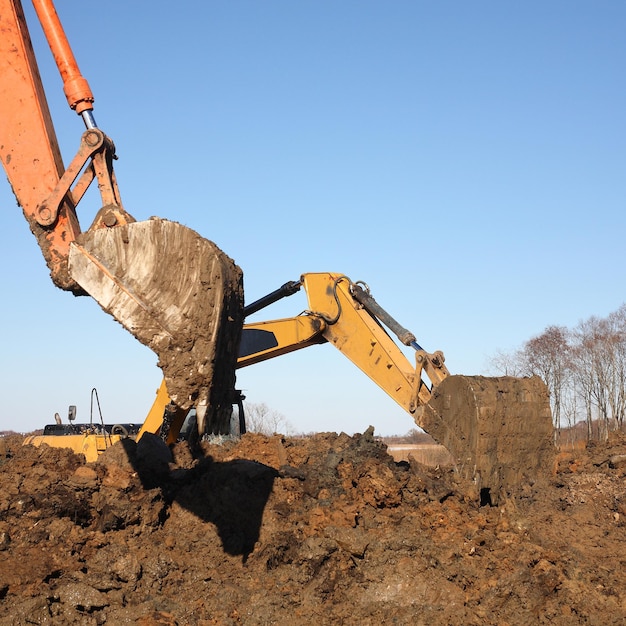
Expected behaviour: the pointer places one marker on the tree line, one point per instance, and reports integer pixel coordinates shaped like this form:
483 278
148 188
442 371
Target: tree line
583 367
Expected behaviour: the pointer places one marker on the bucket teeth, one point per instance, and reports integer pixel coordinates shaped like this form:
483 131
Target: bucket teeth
201 411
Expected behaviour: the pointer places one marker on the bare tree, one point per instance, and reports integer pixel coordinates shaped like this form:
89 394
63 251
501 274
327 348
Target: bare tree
261 419
617 321
601 360
508 364
582 366
548 356
584 369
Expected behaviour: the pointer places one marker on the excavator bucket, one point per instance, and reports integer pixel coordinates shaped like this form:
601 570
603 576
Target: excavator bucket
499 430
178 294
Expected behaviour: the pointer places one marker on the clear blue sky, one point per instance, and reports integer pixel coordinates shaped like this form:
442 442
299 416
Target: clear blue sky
465 159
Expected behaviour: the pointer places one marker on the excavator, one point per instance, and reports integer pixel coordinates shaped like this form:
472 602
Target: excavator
180 295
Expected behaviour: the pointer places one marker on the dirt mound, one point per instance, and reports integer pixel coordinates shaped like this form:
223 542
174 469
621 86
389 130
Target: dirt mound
326 529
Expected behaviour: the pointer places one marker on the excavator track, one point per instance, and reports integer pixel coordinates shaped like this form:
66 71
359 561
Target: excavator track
499 430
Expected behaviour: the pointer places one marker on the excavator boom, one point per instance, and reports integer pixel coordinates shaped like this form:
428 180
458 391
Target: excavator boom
175 291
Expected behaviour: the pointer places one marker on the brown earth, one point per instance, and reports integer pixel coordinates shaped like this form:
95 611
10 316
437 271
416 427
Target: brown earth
326 529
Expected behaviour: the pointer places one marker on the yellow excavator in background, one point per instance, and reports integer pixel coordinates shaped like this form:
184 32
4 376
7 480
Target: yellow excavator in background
498 429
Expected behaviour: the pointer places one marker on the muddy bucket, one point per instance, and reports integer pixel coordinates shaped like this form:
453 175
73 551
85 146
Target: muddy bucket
180 295
499 430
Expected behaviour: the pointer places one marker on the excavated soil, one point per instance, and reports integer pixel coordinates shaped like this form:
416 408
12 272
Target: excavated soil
326 530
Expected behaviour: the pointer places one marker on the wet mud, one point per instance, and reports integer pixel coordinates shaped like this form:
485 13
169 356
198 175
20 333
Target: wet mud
327 529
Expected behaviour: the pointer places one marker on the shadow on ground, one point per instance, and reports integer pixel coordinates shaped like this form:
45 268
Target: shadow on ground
231 495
